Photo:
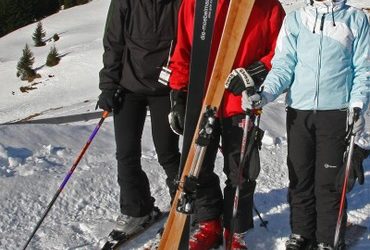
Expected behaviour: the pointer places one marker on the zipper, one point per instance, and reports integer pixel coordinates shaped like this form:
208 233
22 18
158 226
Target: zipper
316 99
155 15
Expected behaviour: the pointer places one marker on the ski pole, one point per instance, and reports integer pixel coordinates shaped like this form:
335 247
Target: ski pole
237 189
68 176
243 149
263 222
345 182
250 91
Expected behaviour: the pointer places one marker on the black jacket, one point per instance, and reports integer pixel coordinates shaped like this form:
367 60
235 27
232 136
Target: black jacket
137 40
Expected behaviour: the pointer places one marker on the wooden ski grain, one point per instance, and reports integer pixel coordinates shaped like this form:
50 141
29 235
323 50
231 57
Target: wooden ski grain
235 24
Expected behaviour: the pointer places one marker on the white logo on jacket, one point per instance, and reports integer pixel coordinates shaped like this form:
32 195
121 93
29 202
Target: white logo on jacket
326 165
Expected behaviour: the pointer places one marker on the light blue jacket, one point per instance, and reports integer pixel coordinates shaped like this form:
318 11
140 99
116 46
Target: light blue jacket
322 58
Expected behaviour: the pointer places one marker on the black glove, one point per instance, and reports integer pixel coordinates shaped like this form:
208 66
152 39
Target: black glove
356 171
110 100
176 117
241 79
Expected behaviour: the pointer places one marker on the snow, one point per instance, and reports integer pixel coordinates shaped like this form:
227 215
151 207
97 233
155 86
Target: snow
34 158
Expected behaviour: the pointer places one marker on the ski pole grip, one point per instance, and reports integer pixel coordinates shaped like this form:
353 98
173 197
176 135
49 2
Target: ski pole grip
105 114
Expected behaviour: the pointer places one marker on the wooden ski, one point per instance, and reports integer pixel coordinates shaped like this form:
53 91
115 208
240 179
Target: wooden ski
235 24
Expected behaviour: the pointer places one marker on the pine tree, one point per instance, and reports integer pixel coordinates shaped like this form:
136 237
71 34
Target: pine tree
79 2
69 3
2 19
61 3
24 66
16 14
38 35
53 57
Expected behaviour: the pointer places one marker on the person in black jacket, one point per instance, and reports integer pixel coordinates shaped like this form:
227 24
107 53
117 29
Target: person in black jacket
138 38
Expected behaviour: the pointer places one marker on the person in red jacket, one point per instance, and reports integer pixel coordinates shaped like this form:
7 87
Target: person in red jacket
251 65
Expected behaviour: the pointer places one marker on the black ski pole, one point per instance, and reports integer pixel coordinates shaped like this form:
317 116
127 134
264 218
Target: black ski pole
349 154
68 176
263 222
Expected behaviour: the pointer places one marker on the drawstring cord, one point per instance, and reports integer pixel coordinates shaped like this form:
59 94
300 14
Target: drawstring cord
332 13
314 25
316 15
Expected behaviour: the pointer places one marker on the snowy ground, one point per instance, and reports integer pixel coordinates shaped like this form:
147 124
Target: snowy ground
34 158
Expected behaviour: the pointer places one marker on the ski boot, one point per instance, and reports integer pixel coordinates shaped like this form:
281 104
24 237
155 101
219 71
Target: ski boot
238 242
298 242
207 235
324 246
131 225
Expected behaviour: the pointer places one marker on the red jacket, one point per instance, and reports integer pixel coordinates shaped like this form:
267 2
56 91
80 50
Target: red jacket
258 43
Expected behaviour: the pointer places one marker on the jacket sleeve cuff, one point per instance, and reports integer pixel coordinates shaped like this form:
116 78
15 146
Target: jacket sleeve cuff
268 96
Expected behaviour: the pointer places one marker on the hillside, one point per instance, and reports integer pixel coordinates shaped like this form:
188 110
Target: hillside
34 158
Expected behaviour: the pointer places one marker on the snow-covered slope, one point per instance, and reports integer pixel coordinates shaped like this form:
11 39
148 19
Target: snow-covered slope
75 78
34 158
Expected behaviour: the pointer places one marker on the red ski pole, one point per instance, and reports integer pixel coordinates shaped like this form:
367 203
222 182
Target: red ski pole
237 189
346 175
68 176
243 149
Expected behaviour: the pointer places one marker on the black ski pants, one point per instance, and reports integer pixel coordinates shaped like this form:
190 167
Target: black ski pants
210 204
135 196
316 143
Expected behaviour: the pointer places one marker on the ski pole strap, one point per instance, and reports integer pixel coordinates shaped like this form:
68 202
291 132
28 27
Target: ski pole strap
255 111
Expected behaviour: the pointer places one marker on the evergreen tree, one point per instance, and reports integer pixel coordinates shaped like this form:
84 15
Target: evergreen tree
69 3
79 2
38 35
61 2
53 6
2 19
16 13
43 8
24 66
53 57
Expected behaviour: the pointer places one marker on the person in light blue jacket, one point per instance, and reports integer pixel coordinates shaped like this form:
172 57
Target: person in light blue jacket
322 61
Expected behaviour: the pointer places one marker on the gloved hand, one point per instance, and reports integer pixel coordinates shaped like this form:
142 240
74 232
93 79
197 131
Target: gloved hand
251 78
255 101
238 81
110 100
176 117
359 124
356 171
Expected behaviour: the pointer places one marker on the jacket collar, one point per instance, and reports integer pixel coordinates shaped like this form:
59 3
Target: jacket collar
326 6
